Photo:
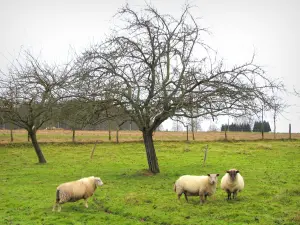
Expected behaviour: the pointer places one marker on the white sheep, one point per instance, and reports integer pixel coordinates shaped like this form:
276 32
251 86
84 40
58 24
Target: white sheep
202 186
76 190
232 182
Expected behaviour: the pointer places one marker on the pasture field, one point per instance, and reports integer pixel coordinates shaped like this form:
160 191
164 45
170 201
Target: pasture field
132 195
60 135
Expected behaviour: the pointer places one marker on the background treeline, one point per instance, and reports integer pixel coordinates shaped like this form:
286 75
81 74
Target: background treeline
246 127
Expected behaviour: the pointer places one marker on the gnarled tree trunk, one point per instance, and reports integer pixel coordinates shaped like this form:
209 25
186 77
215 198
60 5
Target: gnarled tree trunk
36 146
150 152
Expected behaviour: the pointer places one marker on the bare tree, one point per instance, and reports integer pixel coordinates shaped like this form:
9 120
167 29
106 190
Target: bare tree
278 106
28 92
176 125
212 127
182 123
154 63
77 114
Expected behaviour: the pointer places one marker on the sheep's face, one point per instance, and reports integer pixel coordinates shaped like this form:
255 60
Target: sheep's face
213 178
232 173
98 181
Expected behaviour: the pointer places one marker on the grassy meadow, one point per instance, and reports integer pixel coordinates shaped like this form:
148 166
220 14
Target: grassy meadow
131 195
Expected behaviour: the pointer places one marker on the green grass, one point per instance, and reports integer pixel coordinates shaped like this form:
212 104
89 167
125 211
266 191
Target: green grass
130 195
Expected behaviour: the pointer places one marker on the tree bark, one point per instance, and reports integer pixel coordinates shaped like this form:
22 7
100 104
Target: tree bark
187 133
150 152
117 135
36 146
262 123
274 126
193 130
109 130
73 135
11 135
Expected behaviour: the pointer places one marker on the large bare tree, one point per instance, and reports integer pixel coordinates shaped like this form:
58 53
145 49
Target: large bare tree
156 66
29 91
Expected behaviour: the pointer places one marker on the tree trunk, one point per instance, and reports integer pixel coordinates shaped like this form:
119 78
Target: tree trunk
187 133
73 135
274 127
193 130
150 152
117 135
36 146
109 130
262 123
11 135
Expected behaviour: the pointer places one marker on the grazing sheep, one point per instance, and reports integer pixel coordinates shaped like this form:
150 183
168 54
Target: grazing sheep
232 182
202 186
76 190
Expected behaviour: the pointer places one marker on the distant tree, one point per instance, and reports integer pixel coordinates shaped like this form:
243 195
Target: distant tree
197 124
245 119
29 91
278 106
176 124
182 123
212 127
258 126
236 127
77 114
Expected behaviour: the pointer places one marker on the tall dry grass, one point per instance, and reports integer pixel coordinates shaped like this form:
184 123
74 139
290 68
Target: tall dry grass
60 135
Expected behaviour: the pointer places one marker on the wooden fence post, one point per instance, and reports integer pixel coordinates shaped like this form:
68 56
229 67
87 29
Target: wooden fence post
290 131
205 155
93 150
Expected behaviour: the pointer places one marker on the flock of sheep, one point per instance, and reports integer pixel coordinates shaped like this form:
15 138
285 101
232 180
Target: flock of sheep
232 182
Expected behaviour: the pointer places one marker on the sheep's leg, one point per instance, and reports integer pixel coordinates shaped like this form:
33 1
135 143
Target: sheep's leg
86 203
234 195
58 207
178 196
54 206
202 199
205 196
228 194
186 198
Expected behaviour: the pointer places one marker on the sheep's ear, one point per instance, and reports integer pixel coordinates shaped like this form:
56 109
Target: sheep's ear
208 174
237 171
227 171
217 174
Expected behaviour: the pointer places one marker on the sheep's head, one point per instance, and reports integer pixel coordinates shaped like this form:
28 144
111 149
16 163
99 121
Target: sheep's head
213 178
98 181
232 173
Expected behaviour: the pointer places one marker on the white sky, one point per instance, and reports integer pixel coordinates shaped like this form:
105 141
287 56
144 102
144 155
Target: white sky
271 28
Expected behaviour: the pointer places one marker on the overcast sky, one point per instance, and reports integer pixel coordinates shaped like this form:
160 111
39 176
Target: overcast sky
239 27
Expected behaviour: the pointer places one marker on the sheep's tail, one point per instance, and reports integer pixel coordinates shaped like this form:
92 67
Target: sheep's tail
57 196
